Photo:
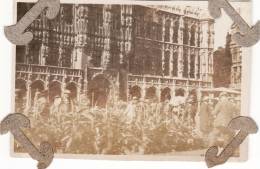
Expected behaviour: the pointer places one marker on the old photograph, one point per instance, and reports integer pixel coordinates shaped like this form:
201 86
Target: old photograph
131 79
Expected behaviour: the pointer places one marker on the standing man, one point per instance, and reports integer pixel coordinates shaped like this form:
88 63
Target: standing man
205 116
224 112
130 112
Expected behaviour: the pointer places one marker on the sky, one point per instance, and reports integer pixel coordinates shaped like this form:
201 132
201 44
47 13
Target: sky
223 24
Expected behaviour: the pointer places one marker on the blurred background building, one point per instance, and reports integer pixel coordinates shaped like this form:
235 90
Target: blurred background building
228 63
236 55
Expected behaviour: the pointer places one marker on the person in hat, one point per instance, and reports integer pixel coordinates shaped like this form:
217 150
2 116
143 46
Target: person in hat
205 116
55 106
223 113
130 112
190 111
66 104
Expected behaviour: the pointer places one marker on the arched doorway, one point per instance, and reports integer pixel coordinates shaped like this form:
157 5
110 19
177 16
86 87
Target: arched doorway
72 87
180 92
54 90
166 94
135 91
36 88
99 90
151 93
20 95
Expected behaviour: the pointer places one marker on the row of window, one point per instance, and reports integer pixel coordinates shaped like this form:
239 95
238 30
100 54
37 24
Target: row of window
154 30
153 65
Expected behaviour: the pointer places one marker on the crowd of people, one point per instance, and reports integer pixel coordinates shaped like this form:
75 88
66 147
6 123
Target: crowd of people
139 126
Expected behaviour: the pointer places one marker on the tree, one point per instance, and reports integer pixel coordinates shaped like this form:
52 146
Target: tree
222 65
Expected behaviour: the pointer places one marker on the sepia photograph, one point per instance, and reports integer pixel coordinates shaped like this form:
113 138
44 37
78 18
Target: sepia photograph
132 80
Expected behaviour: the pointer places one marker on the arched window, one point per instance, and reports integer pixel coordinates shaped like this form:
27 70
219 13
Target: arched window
167 31
180 92
135 91
99 94
36 88
165 94
72 87
151 93
54 90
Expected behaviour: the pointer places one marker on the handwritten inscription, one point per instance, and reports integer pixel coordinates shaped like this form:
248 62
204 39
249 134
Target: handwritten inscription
16 33
14 123
246 36
246 126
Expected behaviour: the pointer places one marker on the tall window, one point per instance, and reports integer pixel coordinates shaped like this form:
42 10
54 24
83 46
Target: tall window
198 39
138 25
158 59
116 17
166 63
20 54
186 34
159 29
192 66
176 31
53 56
148 29
66 61
198 72
193 35
147 65
185 63
34 52
154 29
99 18
68 11
167 31
175 64
96 57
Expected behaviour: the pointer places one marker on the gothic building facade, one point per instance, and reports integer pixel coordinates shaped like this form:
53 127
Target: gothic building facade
117 52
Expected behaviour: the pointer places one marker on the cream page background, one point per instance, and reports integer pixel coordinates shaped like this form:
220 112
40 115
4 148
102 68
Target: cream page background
7 70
